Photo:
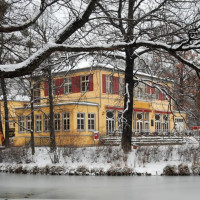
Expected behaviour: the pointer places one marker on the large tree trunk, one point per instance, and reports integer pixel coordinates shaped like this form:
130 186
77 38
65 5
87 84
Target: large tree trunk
51 114
32 121
4 91
129 84
128 102
1 126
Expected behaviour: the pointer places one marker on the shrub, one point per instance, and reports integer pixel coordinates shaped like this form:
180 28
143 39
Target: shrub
196 169
170 170
183 170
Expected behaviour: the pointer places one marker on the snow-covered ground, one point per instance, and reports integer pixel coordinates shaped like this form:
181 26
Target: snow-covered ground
146 159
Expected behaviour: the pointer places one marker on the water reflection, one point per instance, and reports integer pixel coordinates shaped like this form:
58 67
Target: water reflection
81 187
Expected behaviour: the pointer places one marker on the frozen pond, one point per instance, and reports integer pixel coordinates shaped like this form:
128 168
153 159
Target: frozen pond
14 186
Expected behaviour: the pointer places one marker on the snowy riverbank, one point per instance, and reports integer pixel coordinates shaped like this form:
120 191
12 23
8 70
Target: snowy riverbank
101 160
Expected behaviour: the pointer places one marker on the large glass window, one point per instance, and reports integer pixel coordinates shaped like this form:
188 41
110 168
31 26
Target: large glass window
165 123
91 122
80 121
21 123
109 84
84 83
110 122
38 123
46 122
139 122
57 122
68 85
66 121
158 123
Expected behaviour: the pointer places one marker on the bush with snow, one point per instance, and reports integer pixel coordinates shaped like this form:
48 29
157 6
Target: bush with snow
183 170
170 170
196 169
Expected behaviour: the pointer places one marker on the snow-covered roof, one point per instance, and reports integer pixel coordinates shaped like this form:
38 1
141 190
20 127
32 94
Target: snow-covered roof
84 103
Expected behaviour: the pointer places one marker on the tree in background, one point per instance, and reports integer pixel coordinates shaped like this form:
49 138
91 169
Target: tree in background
127 28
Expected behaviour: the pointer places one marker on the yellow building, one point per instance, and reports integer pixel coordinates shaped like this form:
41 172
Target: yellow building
11 114
88 100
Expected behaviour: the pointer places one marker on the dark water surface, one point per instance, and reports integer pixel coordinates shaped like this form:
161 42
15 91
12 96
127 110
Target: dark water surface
14 186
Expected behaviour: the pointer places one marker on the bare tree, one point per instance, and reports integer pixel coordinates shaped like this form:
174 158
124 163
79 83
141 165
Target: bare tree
132 28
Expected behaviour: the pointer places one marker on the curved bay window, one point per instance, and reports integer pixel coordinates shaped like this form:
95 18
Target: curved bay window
142 122
139 122
165 124
158 123
110 122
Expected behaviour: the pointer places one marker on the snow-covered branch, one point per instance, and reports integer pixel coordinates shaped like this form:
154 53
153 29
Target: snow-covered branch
29 65
12 27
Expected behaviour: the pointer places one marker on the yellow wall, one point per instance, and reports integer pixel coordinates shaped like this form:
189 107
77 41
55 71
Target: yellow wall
103 101
12 117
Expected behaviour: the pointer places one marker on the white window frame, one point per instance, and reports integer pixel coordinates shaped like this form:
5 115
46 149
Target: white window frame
68 85
38 123
165 124
66 121
80 121
109 81
110 123
21 124
57 121
91 119
46 122
85 83
158 127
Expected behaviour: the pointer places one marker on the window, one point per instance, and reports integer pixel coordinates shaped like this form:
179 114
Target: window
28 123
157 94
140 91
57 122
84 83
36 93
46 123
157 122
68 86
165 123
66 122
139 122
109 84
91 122
110 122
38 123
21 124
121 86
80 121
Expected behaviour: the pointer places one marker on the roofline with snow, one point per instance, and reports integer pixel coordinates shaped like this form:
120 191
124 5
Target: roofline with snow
84 103
110 69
